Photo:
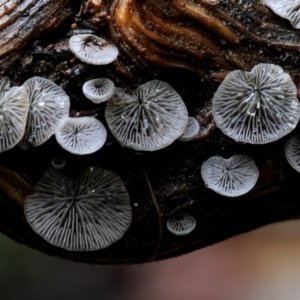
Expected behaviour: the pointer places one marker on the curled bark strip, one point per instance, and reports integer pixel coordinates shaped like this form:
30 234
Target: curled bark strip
199 36
22 21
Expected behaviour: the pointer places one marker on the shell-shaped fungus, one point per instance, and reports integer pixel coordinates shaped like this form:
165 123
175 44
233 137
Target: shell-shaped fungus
292 152
287 9
49 105
81 214
98 90
191 130
14 106
147 119
83 135
92 49
230 177
181 224
256 107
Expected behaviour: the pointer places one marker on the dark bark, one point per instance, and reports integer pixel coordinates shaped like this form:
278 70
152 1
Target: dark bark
167 182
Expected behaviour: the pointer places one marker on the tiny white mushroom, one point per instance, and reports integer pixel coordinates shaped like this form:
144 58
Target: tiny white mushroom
92 49
83 135
231 177
84 213
49 105
98 90
287 9
14 106
58 163
181 224
148 118
191 130
292 152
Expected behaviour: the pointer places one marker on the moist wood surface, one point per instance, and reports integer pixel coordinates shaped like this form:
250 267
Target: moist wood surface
167 182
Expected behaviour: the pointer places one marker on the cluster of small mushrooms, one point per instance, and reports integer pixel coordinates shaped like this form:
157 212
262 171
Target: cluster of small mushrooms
92 211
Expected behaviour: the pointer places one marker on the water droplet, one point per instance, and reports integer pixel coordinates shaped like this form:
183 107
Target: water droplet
294 104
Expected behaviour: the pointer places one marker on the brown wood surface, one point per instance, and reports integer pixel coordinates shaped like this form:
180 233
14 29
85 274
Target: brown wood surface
167 182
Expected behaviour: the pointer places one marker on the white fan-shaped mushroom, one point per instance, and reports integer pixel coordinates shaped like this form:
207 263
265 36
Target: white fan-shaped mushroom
14 105
86 213
292 152
181 224
98 90
81 135
230 177
49 105
92 49
191 130
287 9
149 118
256 107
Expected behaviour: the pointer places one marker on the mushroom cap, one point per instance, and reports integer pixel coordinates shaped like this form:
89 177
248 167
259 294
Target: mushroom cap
83 135
292 152
147 119
58 163
4 86
181 224
256 107
92 49
98 90
49 105
231 177
191 130
287 9
14 106
86 213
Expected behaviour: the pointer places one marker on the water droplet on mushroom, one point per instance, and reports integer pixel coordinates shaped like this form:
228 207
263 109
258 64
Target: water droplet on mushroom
294 104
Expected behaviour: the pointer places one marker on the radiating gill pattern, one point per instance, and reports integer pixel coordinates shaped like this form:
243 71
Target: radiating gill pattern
230 177
86 213
147 119
256 107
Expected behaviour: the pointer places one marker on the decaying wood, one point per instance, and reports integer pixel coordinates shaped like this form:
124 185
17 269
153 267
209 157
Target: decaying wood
189 44
23 21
